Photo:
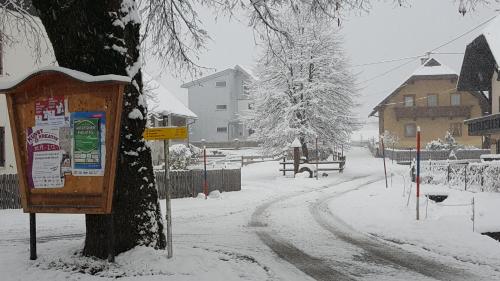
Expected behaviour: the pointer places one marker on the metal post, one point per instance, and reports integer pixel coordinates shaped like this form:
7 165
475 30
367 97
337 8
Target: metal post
317 159
465 180
205 183
418 173
383 156
111 238
166 152
33 255
473 215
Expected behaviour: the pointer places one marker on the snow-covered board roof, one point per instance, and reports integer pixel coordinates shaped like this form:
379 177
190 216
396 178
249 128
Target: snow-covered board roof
163 101
9 83
430 69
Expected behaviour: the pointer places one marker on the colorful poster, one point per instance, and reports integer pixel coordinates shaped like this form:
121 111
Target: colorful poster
44 158
52 112
88 146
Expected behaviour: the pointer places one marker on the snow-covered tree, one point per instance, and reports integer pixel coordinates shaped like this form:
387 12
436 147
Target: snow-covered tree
390 139
304 89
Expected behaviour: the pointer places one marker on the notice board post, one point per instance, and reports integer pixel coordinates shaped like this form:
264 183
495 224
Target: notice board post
65 129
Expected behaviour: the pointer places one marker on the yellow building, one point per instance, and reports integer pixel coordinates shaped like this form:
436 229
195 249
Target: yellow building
429 99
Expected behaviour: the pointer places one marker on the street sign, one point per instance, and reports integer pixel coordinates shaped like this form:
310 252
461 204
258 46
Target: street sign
165 133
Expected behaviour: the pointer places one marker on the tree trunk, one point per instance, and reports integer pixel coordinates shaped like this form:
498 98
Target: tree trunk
305 150
101 37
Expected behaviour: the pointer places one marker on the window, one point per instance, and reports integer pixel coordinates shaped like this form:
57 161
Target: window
409 100
2 146
410 130
220 84
456 129
250 131
432 100
221 107
221 129
455 99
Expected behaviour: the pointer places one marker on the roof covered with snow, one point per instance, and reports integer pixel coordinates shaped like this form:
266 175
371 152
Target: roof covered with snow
492 35
162 101
9 83
239 68
430 69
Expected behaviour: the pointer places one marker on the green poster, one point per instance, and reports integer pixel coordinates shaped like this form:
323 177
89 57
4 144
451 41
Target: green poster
86 134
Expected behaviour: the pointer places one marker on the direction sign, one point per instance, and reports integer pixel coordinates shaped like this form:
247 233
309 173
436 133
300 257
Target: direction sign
165 133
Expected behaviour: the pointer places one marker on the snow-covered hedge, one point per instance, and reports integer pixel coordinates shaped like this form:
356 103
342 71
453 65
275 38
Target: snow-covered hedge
181 156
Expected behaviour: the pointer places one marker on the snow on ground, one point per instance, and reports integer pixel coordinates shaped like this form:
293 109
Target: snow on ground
444 228
224 237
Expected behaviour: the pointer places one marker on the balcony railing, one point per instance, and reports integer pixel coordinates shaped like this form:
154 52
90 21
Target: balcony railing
485 125
433 111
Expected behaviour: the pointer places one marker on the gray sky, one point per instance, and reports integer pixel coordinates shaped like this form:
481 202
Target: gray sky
386 32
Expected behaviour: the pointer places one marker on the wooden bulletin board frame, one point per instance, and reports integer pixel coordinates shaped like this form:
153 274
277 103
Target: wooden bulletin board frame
80 194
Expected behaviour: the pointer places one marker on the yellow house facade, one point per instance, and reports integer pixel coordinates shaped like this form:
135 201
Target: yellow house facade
429 99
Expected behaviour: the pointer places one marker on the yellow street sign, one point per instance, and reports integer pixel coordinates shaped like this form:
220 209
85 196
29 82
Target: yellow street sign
165 133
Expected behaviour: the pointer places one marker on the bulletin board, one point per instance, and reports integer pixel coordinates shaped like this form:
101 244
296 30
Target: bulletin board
66 127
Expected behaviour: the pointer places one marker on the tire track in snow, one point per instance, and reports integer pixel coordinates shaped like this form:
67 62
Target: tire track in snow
379 251
312 266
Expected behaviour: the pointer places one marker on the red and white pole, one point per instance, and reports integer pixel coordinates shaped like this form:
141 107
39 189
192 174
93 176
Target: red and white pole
418 173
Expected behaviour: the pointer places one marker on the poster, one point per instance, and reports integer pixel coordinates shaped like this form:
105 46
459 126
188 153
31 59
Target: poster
52 112
88 144
44 157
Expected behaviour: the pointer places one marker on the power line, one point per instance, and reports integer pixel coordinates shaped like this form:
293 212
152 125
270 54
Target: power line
384 61
426 54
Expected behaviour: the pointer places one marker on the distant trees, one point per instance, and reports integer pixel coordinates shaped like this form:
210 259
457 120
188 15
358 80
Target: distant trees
304 88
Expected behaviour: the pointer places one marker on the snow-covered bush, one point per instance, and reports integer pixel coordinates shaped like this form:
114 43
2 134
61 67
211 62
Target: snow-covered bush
181 157
390 140
449 143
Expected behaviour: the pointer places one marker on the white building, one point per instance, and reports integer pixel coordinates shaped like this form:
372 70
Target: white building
218 100
15 59
163 107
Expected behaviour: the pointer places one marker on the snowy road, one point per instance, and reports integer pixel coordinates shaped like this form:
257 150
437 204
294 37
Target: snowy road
276 228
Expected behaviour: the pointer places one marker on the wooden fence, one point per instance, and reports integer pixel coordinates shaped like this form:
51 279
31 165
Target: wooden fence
9 192
190 183
184 184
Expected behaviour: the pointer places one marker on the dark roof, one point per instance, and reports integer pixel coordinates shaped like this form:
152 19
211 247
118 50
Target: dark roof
478 66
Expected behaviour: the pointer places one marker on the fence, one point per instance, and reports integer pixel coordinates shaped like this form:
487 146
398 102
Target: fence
407 155
466 176
184 184
189 183
9 192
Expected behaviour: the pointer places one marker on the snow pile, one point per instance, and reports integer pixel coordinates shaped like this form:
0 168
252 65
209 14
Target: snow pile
201 196
215 195
486 212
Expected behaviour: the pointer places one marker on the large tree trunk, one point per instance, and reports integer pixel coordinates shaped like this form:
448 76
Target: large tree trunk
101 37
305 150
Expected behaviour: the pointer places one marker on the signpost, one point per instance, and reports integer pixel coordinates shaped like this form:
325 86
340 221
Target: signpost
418 173
166 134
65 129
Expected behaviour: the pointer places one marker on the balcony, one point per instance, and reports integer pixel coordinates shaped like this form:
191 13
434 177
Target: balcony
483 126
415 112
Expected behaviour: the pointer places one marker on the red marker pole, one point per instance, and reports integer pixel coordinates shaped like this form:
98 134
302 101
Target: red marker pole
205 183
418 173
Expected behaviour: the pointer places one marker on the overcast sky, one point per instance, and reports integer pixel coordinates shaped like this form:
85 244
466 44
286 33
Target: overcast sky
386 32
